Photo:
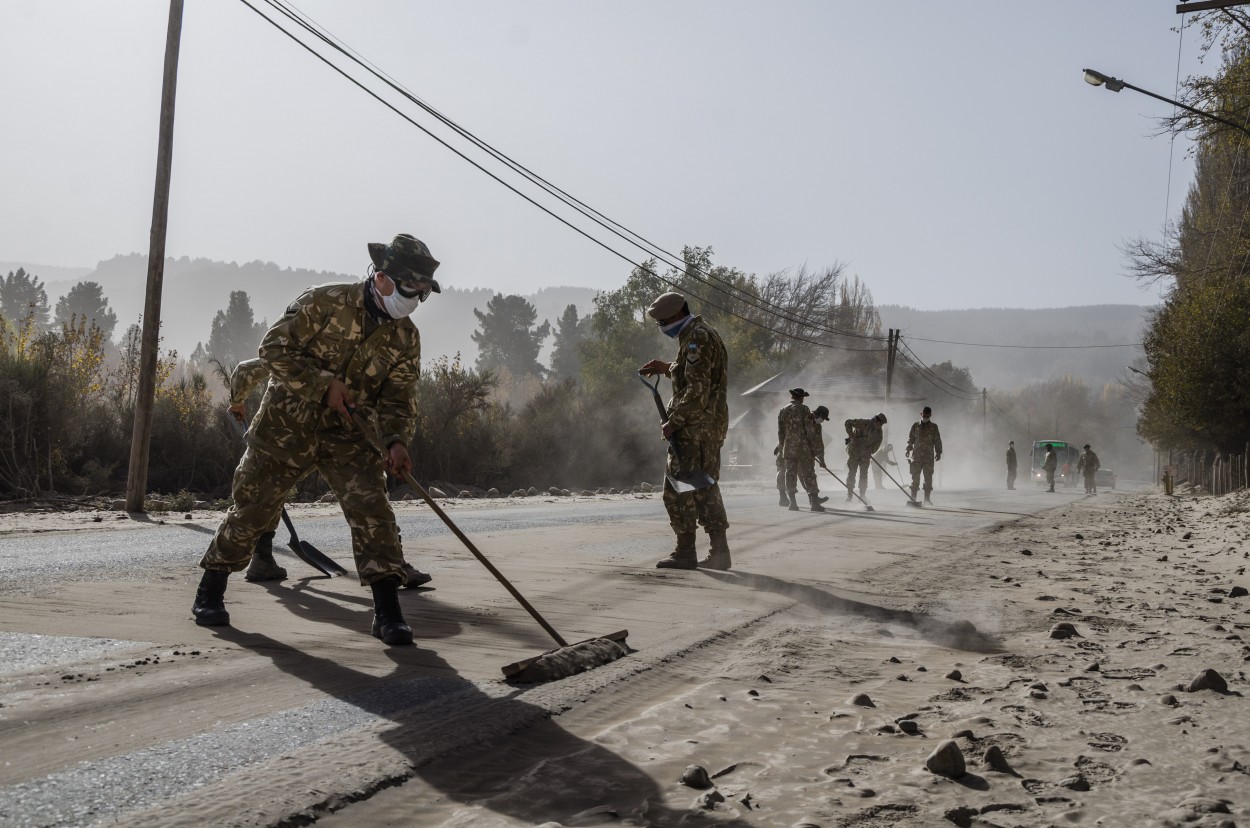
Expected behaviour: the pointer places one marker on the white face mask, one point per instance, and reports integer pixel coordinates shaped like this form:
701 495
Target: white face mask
398 305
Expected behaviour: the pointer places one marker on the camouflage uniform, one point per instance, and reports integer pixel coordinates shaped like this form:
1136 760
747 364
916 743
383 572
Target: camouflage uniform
326 333
699 415
799 447
243 381
865 438
1049 465
1011 467
924 446
1088 465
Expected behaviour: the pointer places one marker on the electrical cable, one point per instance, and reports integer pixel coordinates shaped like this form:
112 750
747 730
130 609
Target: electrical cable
547 210
624 233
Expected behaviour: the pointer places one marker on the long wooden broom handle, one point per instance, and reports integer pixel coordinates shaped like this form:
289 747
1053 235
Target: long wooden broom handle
411 481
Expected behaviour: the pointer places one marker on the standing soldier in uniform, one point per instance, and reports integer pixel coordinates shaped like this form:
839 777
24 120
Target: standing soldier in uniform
697 420
1049 465
924 448
243 380
1011 464
863 438
798 449
337 347
1087 464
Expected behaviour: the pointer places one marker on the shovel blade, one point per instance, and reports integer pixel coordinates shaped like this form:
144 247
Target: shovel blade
690 481
315 558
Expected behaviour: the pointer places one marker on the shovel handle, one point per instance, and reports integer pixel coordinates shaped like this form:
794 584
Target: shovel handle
655 391
374 441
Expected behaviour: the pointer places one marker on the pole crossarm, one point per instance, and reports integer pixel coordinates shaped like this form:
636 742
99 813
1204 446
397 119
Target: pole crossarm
1207 5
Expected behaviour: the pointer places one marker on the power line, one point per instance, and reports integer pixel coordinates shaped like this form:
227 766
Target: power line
1031 347
625 234
545 209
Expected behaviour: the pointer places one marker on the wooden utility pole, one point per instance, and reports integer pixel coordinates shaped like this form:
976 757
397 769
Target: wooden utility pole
983 398
889 362
140 437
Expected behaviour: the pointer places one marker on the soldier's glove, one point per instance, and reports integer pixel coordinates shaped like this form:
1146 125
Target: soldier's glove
937 457
777 451
848 441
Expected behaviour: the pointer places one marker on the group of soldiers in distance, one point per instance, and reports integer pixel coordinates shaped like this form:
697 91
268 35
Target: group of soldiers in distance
1087 465
801 446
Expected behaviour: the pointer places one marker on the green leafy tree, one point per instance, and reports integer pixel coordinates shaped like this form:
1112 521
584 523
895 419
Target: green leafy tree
235 336
22 295
571 332
86 300
507 338
1198 343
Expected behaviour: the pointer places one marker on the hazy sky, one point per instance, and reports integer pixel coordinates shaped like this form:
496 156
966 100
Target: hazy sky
948 153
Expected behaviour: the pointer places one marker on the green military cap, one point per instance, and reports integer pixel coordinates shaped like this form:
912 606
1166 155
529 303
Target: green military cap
405 252
666 306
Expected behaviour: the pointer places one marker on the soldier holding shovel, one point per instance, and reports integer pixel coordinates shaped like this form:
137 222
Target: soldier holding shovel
697 420
337 346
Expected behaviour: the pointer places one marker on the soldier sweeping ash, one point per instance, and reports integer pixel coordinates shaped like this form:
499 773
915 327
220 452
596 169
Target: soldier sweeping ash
247 375
863 439
338 346
697 419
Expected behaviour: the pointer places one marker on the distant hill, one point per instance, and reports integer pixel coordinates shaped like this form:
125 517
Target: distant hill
1007 368
195 289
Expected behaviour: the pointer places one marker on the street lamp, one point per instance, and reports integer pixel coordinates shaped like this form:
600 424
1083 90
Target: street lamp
1096 78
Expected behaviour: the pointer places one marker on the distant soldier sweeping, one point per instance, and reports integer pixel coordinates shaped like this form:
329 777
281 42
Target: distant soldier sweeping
798 444
1011 464
338 347
1087 464
697 420
247 375
863 439
924 448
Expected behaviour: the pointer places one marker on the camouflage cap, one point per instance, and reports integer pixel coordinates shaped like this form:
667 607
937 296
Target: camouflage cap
798 392
1085 446
821 412
403 251
881 419
666 306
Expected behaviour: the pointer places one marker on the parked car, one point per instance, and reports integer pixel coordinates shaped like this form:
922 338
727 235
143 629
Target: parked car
1104 479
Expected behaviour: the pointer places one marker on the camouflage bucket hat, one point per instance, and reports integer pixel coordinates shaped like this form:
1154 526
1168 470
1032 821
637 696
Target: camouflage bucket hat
404 252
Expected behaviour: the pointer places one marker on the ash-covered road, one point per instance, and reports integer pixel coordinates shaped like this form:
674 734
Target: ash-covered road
115 706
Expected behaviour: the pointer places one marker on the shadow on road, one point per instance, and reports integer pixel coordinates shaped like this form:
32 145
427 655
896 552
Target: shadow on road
480 745
959 635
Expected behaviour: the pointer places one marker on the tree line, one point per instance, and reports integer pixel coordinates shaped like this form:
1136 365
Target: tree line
67 389
1197 343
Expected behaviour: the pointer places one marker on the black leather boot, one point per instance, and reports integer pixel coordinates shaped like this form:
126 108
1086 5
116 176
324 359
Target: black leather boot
815 500
263 566
388 618
684 555
718 557
794 504
209 608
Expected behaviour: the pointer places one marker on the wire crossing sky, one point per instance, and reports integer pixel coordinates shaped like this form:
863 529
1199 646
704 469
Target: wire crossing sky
951 157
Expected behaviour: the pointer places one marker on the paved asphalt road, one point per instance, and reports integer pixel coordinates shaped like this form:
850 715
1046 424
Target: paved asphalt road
75 601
